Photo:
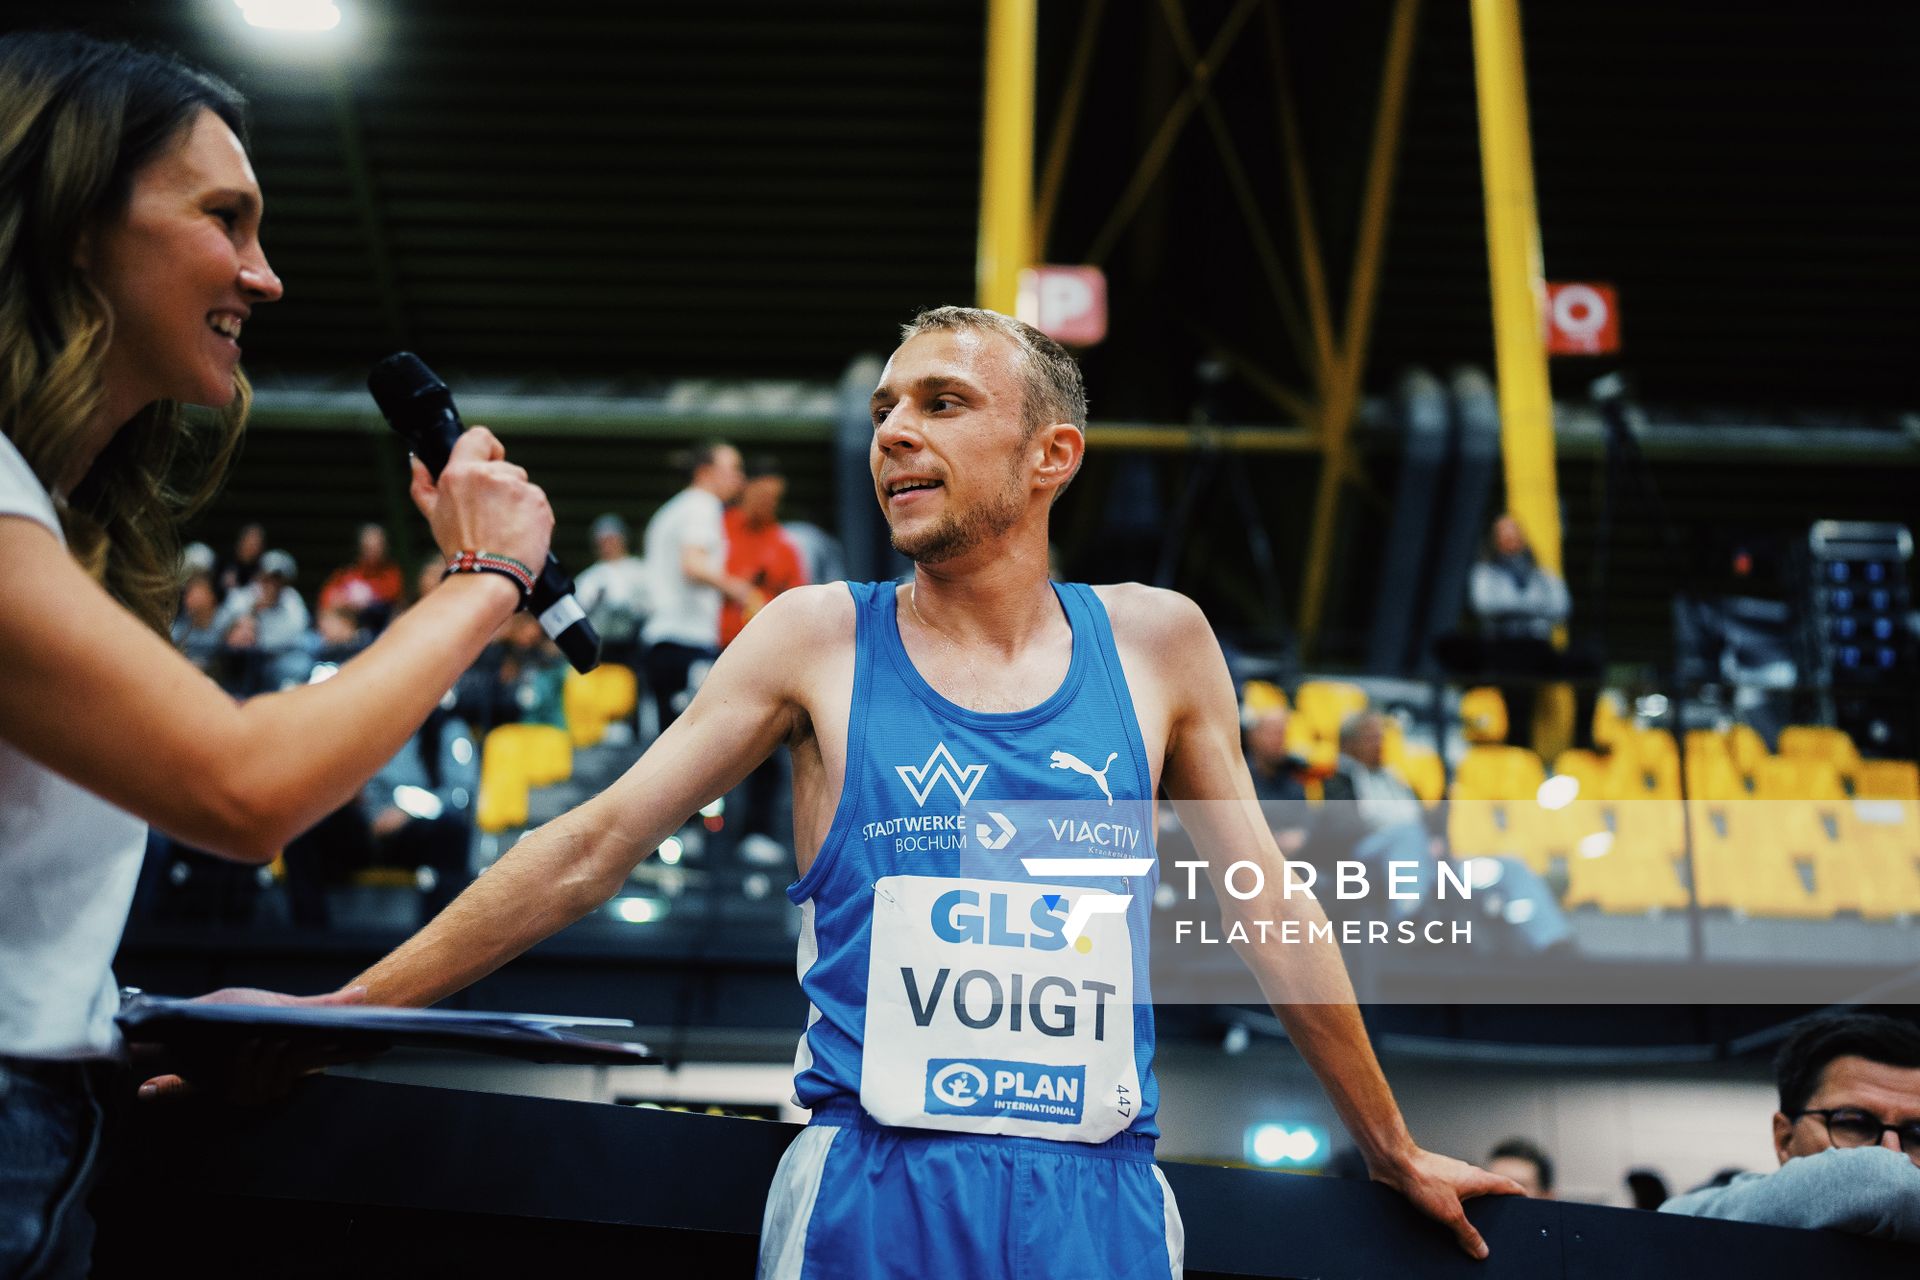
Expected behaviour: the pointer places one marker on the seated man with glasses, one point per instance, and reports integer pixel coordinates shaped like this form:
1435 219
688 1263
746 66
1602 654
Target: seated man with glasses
1847 1134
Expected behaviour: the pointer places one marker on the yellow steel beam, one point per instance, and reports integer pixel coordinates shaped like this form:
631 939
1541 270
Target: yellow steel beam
1006 163
1513 252
1342 398
1059 147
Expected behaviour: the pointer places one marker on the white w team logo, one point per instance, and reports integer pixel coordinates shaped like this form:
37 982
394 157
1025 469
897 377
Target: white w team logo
941 764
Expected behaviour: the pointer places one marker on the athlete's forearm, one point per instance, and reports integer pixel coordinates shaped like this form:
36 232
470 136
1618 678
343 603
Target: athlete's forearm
1307 984
543 884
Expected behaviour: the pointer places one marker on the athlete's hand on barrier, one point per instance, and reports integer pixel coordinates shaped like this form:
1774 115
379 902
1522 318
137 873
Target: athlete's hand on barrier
482 502
1439 1185
263 1069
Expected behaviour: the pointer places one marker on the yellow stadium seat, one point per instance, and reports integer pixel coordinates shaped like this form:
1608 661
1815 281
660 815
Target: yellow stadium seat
1496 806
1262 697
1747 747
515 758
1711 771
1319 753
1422 769
1499 773
543 752
597 698
1820 742
1609 718
1645 765
1887 839
1493 829
1326 704
1887 780
1483 715
1619 883
1586 768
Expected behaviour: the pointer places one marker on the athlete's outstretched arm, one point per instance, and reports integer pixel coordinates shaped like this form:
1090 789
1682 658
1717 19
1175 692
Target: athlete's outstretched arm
1207 778
558 873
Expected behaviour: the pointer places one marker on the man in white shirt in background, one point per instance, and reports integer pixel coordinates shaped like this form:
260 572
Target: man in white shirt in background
686 550
615 591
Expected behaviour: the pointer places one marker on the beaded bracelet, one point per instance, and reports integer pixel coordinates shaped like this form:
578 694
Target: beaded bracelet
493 562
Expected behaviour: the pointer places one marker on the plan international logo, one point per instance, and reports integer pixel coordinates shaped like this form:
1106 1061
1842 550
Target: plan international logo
941 764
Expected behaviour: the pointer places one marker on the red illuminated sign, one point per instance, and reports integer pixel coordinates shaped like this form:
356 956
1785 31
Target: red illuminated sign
1068 304
1582 319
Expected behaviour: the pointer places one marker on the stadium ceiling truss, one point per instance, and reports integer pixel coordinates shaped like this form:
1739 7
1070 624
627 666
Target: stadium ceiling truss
1331 345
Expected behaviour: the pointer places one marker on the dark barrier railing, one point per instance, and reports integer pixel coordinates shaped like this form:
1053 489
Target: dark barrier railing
357 1178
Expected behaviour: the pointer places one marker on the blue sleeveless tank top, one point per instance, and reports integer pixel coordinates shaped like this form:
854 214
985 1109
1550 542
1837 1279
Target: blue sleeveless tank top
974 931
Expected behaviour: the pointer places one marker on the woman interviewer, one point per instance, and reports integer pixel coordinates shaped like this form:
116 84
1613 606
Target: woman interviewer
130 260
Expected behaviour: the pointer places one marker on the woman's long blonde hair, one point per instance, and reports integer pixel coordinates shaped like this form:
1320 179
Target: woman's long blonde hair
79 118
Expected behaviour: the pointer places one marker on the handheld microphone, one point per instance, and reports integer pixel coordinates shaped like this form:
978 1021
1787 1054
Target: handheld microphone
418 405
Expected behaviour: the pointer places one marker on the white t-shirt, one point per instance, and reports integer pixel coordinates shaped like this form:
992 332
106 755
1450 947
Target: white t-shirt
68 865
684 611
616 595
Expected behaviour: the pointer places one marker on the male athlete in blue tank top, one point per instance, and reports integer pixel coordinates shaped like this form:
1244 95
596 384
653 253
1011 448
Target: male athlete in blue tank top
976 756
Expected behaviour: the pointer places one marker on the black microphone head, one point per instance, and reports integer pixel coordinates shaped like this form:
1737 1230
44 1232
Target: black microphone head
401 381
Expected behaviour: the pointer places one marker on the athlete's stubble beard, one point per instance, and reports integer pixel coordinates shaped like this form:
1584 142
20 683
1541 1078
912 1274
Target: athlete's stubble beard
955 534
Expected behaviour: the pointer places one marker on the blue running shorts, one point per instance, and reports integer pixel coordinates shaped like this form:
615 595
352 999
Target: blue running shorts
857 1199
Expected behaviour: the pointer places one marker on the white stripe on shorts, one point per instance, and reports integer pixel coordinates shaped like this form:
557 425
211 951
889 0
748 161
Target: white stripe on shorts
1176 1230
796 1185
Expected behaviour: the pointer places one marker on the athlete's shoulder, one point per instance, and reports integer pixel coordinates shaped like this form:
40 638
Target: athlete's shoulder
815 614
1153 617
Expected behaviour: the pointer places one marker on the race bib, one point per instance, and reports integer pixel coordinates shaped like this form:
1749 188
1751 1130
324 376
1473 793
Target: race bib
984 1017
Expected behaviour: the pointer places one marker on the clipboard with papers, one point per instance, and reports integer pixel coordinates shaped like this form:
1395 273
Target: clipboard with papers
192 1029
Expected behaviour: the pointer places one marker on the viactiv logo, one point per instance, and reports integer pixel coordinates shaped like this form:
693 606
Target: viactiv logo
994 1087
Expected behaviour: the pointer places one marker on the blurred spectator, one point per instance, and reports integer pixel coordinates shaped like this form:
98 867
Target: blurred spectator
370 586
1514 599
1526 1164
1516 607
686 547
1647 1189
197 558
1371 816
759 553
1276 773
238 666
196 632
821 556
1847 1135
614 592
532 674
238 567
416 812
279 615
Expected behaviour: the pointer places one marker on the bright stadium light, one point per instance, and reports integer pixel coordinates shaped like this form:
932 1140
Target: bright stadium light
291 15
1558 792
1597 845
1302 1146
637 910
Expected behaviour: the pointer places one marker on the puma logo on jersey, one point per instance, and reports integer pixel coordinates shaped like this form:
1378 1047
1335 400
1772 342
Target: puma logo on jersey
1067 760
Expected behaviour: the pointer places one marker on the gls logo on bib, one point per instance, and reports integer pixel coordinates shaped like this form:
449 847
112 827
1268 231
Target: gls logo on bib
992 1087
